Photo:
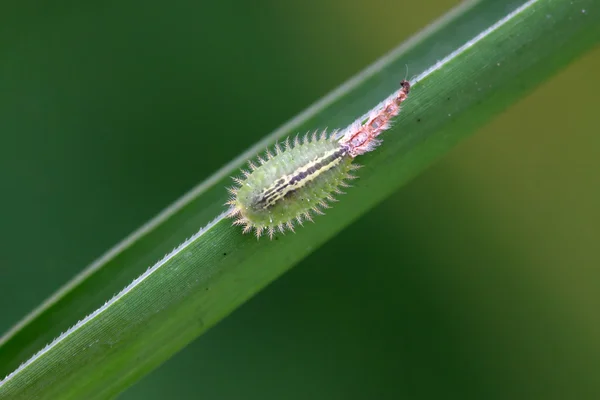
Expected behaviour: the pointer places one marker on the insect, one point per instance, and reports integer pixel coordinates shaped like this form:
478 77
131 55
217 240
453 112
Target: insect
301 177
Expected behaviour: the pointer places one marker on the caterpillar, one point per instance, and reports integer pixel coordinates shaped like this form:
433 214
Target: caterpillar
300 178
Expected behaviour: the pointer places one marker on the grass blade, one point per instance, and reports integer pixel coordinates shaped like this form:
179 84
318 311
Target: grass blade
218 268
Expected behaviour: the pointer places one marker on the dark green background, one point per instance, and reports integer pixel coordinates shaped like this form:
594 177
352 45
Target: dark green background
478 280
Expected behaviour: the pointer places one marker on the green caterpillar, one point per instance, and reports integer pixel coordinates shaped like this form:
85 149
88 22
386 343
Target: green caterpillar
302 178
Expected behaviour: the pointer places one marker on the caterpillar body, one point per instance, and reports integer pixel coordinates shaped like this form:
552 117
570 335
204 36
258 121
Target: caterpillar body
302 177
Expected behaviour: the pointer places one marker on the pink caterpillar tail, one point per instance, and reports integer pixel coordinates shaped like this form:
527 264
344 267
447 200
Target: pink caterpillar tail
360 139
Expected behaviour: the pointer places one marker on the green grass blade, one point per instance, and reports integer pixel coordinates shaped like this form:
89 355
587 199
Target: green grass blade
218 268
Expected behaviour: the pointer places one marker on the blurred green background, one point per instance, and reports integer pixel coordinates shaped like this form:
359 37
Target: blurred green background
478 280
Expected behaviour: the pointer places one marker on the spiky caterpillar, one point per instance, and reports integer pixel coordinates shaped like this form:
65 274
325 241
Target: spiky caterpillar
301 178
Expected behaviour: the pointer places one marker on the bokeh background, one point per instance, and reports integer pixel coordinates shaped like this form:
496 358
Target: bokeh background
479 279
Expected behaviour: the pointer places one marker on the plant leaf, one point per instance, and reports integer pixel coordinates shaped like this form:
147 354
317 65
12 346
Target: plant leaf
218 268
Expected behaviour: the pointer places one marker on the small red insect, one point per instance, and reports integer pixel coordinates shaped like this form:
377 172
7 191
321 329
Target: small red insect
360 139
